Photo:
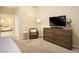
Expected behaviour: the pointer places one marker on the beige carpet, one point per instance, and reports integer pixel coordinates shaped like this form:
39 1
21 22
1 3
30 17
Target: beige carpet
39 46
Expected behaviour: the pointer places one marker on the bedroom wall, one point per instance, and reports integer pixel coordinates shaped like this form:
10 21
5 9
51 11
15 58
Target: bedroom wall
44 13
8 9
26 16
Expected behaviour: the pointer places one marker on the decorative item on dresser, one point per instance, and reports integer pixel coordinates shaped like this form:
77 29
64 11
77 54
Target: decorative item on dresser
59 36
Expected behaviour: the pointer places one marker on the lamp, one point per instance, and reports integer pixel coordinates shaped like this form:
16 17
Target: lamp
39 23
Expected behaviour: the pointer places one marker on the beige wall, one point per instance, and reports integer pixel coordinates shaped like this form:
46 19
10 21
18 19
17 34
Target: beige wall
72 12
8 9
26 16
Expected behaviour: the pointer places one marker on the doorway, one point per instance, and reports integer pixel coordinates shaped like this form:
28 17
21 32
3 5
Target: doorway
7 24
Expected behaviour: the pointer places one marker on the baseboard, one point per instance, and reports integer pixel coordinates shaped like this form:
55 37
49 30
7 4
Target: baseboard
76 46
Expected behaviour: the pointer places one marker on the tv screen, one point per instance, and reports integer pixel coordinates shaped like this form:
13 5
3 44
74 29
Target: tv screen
58 21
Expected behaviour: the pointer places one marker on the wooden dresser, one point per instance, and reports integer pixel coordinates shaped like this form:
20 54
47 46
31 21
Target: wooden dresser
58 36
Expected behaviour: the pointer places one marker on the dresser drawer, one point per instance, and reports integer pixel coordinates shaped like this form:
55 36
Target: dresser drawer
49 39
61 37
64 44
48 32
62 32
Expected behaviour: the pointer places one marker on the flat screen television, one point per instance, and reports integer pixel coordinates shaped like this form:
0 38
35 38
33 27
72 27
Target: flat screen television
57 21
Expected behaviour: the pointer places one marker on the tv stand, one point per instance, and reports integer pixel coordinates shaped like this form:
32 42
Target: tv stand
61 37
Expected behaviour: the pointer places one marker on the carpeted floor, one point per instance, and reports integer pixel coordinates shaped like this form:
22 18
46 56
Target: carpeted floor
39 46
